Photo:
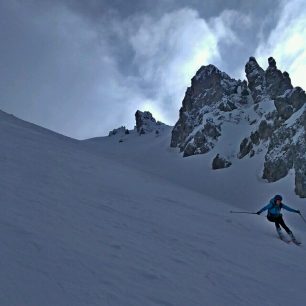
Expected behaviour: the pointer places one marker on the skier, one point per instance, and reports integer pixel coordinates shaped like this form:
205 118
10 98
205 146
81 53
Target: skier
274 215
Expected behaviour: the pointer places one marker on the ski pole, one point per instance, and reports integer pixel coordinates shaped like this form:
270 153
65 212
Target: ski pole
243 212
302 217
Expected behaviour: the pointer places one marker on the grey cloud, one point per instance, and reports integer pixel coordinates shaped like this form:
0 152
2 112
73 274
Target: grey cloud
287 42
59 72
73 66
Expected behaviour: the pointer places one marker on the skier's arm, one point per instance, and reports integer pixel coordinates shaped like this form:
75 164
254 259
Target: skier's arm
264 208
290 209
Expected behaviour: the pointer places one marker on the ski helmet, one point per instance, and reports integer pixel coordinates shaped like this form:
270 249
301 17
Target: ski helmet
278 197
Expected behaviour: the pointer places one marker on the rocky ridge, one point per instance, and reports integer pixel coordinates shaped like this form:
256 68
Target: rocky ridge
145 124
266 115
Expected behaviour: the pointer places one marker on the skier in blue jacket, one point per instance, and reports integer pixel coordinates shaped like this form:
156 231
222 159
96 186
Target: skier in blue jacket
274 215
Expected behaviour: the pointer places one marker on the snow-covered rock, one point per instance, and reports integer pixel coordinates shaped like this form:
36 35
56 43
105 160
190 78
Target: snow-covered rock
277 82
119 131
212 93
256 80
287 150
269 115
146 123
220 162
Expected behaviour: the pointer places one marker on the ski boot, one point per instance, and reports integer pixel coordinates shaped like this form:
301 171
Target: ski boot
293 239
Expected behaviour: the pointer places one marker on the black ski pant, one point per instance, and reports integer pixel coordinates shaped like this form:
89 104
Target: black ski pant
279 222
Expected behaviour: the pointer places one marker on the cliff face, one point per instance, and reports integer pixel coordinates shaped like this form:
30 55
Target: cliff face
212 93
270 115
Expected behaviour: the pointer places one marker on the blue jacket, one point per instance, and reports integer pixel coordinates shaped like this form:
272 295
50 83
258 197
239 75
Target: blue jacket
274 209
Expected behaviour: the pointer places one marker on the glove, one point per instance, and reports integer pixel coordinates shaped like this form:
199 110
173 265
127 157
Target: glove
258 213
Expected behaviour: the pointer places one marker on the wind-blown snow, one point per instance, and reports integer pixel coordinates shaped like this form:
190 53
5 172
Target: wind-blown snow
103 222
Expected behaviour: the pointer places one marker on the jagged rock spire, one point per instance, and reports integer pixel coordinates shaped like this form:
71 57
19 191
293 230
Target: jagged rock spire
256 79
276 81
272 62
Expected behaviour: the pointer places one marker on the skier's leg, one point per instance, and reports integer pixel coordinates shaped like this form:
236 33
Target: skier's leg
284 226
282 223
278 228
276 222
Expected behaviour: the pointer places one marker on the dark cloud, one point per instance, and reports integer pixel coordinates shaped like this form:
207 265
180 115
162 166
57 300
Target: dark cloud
83 67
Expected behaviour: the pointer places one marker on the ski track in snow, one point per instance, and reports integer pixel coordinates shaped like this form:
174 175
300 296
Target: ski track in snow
99 222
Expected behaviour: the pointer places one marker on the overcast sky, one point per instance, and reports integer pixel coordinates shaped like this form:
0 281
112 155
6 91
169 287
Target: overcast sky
82 68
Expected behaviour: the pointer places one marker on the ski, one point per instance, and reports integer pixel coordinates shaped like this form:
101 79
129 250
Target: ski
287 240
296 242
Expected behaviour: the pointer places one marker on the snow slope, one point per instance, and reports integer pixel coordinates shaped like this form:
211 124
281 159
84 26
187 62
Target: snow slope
103 222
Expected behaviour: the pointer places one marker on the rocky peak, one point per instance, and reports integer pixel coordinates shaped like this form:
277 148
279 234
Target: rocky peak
256 79
266 84
211 91
146 123
276 81
205 72
273 114
272 62
119 131
252 68
208 77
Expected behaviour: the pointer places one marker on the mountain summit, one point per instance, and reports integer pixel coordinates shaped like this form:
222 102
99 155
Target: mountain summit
237 119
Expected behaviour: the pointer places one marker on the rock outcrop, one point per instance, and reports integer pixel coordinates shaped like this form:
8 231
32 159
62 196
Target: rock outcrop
220 162
212 92
146 123
119 131
270 111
